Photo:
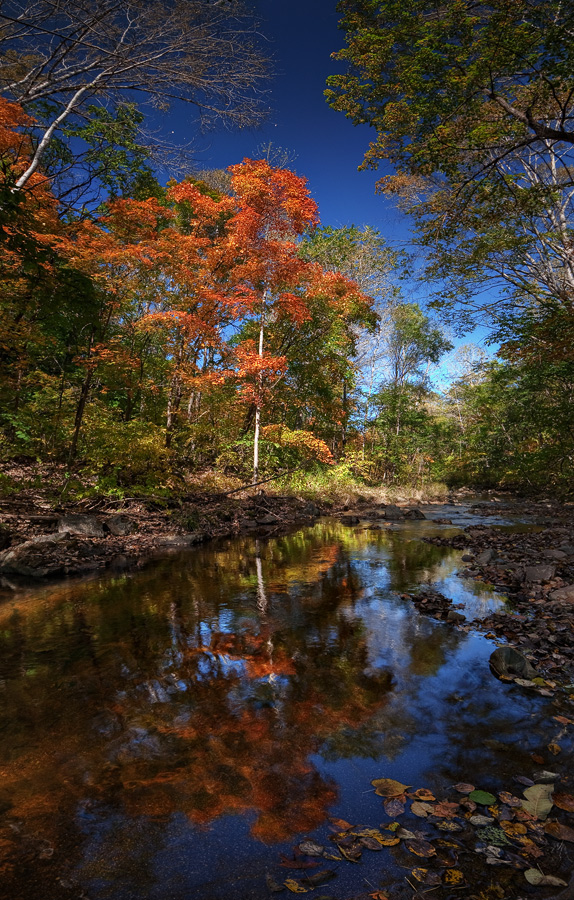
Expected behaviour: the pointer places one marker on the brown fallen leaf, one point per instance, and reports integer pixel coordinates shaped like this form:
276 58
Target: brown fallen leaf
464 788
370 843
563 720
394 807
422 810
559 831
446 810
426 876
564 801
421 848
421 794
388 787
554 748
510 799
340 824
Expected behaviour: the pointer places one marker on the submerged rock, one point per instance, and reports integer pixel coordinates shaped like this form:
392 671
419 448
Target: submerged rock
507 661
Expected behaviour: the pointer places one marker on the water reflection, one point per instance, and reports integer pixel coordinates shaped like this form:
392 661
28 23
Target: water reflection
140 716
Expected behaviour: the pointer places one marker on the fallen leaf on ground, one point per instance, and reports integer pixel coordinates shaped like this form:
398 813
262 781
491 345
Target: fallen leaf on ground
422 794
425 876
295 887
388 787
509 799
310 848
483 798
564 801
559 831
554 748
340 824
453 878
537 800
421 848
446 810
422 810
535 876
394 807
463 788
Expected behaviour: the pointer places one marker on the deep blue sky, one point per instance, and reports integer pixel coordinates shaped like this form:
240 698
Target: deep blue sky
301 35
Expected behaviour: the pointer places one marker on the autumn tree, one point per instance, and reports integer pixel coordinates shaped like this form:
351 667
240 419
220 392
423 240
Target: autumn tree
473 106
274 281
73 65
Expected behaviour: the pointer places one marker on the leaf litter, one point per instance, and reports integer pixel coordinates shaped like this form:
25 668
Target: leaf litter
518 834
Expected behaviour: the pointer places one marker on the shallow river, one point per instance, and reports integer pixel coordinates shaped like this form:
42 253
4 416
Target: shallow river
168 735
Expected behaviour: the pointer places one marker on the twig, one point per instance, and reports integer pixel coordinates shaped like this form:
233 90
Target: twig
246 487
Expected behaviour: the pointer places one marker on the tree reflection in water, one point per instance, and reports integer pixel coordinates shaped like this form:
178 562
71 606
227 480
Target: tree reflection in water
201 687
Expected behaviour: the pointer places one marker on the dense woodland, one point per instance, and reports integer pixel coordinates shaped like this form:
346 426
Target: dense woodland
158 330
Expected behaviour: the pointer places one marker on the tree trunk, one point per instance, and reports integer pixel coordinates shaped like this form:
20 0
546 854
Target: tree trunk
258 407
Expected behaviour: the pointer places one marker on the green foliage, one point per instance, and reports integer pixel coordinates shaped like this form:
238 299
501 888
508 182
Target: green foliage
127 454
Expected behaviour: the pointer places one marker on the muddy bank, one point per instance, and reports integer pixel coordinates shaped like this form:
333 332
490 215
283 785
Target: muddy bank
40 541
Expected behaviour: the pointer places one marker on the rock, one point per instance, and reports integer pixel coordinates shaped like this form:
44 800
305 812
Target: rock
563 594
269 519
311 510
508 661
350 520
539 573
455 617
393 512
467 557
179 541
5 537
555 554
414 514
119 526
442 521
28 558
88 526
484 558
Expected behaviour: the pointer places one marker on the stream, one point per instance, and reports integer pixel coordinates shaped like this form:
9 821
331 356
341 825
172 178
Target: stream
170 734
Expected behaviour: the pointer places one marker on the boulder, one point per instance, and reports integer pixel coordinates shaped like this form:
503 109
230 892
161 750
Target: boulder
119 526
393 512
88 526
508 661
31 558
414 514
539 573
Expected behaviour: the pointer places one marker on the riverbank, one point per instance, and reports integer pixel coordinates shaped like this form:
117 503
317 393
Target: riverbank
44 536
533 565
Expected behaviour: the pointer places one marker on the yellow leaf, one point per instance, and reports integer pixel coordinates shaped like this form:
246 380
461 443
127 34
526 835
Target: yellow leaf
388 787
295 887
453 877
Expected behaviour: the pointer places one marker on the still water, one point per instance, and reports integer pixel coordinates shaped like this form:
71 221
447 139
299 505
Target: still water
167 735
